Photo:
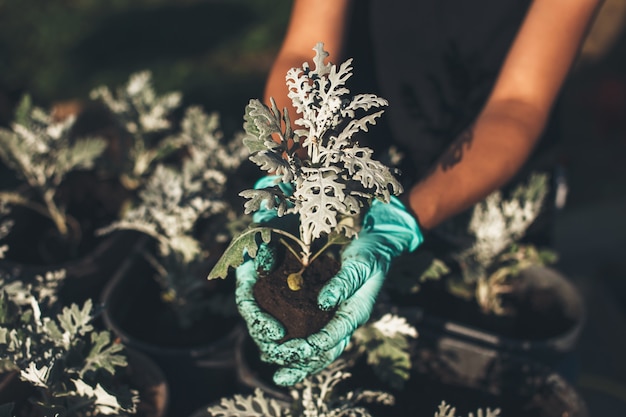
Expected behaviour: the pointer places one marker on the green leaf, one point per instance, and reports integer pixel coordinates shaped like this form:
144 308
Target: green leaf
234 253
254 405
260 123
84 152
76 321
23 110
268 198
436 270
104 354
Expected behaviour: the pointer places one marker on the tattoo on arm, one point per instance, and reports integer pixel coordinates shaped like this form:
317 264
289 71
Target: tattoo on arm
454 154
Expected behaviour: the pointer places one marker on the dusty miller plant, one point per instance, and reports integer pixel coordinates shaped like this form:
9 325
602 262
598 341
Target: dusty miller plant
68 363
316 396
331 184
496 255
385 345
446 410
172 203
146 117
41 151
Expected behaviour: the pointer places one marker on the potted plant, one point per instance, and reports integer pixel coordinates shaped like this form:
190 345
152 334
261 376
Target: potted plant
498 290
160 301
143 120
42 153
323 177
470 374
61 364
58 201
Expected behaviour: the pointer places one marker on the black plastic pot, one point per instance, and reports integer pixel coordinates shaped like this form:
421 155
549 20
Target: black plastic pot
470 377
197 370
546 328
85 276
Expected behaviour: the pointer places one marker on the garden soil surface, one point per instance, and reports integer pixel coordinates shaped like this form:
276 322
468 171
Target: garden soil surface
298 311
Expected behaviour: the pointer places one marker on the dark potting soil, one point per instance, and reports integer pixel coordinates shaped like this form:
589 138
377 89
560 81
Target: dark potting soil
538 314
298 311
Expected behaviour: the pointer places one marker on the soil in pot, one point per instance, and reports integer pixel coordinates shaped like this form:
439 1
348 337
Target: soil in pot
297 311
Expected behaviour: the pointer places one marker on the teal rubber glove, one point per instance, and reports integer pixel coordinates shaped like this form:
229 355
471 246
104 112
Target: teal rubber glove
388 230
262 327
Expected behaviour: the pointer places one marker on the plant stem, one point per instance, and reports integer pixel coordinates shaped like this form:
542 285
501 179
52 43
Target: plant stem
319 252
50 210
306 250
290 249
55 213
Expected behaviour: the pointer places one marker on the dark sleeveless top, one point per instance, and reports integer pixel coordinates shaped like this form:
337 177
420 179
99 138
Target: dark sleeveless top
436 62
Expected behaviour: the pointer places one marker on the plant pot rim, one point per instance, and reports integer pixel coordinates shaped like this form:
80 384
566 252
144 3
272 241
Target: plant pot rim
193 352
564 341
156 377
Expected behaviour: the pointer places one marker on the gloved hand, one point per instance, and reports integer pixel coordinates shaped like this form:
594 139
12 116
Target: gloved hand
387 231
264 329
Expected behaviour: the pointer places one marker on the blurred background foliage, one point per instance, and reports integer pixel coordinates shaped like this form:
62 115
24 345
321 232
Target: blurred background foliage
216 52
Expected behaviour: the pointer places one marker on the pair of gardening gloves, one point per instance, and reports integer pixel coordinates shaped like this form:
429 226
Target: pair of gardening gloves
387 231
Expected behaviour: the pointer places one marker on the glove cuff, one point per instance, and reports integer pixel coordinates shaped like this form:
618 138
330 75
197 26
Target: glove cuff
394 218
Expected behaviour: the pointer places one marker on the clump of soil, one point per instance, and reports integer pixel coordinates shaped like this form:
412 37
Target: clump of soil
297 311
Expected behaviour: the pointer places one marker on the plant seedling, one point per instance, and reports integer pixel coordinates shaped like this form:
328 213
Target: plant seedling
68 364
41 151
496 254
333 178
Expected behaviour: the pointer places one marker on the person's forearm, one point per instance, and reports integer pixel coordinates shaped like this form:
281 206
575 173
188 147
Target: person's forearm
311 21
480 161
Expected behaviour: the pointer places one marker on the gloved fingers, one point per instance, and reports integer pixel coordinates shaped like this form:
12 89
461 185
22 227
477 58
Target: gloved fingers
265 349
352 275
295 372
264 215
302 351
261 326
350 315
291 351
288 377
